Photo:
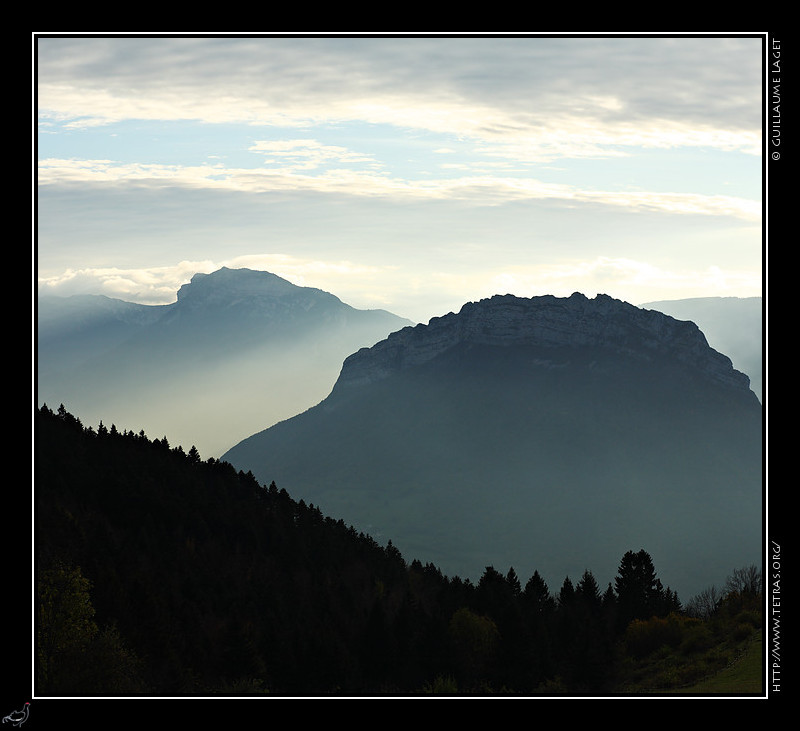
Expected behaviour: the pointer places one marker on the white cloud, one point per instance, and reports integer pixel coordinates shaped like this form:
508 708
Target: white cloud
556 96
310 156
154 285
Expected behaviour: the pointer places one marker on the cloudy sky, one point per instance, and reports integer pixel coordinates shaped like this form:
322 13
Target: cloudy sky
408 173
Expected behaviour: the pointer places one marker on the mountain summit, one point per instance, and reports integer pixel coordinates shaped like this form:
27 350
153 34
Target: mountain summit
550 323
547 434
255 293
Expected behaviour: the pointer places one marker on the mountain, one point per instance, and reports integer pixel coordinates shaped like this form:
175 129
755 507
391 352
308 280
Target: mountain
732 325
238 349
545 434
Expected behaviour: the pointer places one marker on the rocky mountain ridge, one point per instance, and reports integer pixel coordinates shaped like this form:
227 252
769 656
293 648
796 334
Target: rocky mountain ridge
231 288
548 322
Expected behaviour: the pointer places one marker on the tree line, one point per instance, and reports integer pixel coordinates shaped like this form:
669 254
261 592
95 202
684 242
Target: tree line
162 573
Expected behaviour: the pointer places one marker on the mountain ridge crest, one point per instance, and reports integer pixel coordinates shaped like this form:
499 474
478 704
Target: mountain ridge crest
547 321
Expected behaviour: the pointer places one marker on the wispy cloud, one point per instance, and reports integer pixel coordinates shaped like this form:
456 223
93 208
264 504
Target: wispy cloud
296 164
441 160
307 154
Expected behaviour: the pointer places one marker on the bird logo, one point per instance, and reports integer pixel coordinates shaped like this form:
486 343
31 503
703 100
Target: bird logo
17 718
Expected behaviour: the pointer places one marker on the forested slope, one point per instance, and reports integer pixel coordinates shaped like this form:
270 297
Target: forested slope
159 573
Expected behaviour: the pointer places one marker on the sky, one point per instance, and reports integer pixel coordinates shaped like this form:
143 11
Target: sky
409 173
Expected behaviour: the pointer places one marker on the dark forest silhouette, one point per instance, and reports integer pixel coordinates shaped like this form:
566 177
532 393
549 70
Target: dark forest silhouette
159 573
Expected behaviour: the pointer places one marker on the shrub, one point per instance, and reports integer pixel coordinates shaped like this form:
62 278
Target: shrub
696 639
749 617
644 637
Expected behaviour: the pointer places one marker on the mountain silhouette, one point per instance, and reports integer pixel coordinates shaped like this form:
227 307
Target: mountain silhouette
239 349
545 434
732 325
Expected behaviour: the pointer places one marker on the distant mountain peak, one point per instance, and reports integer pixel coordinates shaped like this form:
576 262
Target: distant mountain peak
550 322
233 284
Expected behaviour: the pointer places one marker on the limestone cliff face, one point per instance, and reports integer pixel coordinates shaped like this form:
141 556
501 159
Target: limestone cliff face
549 322
255 295
265 304
231 286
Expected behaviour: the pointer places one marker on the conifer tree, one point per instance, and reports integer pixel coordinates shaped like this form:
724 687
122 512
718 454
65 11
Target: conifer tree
640 594
537 595
588 593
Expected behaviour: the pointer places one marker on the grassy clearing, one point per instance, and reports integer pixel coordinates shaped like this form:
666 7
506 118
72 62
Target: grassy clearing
745 676
725 659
